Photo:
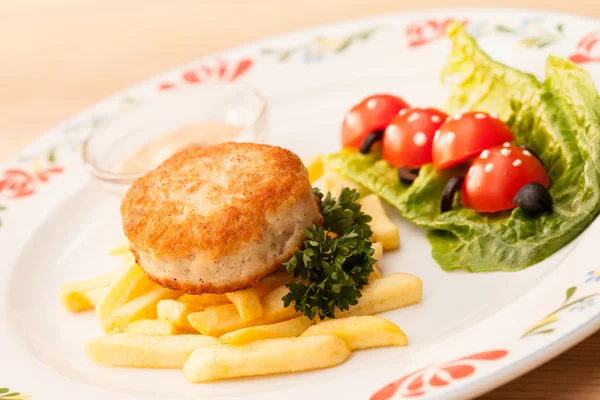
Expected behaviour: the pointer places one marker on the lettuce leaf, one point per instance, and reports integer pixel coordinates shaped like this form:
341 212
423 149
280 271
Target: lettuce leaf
559 119
480 83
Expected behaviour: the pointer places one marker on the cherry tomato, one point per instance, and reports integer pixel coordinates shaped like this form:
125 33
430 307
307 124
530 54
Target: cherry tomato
371 114
408 139
464 136
496 176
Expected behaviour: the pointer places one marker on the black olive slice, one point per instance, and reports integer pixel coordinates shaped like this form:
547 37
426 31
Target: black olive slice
370 140
531 151
533 198
450 190
407 175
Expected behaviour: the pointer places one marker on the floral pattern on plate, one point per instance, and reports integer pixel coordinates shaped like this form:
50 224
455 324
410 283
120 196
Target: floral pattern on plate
580 304
588 49
430 30
532 32
5 393
18 183
420 382
219 71
320 46
593 276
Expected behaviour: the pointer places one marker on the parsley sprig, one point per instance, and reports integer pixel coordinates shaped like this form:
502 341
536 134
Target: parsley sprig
332 268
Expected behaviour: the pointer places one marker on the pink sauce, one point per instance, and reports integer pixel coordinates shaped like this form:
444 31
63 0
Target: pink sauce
154 153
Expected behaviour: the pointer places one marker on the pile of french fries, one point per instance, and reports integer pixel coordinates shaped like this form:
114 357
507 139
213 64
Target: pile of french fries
244 333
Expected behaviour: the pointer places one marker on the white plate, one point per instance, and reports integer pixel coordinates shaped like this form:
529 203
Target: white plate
470 333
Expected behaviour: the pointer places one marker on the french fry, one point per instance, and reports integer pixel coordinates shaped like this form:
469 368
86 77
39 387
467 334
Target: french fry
151 327
384 230
145 351
205 300
378 250
77 302
333 183
274 310
291 328
265 286
247 303
94 295
265 357
142 307
129 285
176 312
314 166
219 320
272 282
361 332
392 291
73 295
376 274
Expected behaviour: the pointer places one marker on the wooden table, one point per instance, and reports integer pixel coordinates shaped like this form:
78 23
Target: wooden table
59 57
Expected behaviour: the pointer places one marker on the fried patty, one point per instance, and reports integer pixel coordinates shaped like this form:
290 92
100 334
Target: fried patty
219 218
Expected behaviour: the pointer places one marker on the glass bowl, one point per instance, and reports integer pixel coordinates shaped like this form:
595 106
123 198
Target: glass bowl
152 119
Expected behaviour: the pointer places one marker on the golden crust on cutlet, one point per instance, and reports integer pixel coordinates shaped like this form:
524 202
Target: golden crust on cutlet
153 201
210 202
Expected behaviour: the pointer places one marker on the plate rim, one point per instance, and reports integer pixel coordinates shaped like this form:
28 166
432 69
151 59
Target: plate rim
564 342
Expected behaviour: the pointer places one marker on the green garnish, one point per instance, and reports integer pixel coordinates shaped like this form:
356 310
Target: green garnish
559 119
333 270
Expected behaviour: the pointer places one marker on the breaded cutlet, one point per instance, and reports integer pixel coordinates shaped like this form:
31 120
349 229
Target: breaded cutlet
219 218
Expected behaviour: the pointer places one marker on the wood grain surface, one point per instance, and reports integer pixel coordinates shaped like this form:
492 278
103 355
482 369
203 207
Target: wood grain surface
58 57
